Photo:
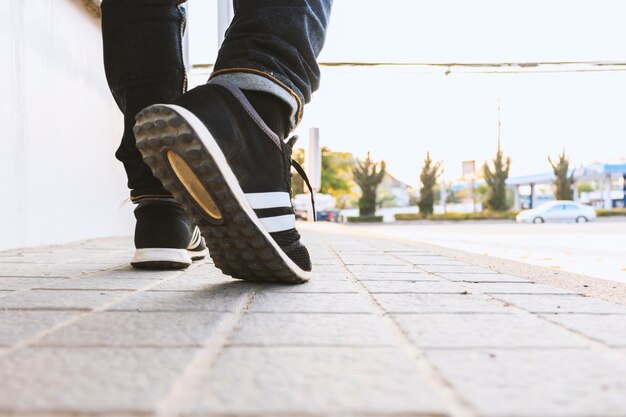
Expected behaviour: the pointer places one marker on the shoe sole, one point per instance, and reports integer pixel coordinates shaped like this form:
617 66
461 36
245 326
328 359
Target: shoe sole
161 258
184 156
197 255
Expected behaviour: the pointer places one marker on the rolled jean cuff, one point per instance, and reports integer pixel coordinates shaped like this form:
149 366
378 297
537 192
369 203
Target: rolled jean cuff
139 196
257 80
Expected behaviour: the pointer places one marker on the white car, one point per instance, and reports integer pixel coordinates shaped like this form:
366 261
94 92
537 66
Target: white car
558 211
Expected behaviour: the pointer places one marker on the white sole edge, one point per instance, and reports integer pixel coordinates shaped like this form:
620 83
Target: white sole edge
216 153
161 255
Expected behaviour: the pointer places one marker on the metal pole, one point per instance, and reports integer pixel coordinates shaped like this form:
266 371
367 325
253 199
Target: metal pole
608 201
624 189
443 195
225 14
314 166
473 195
516 204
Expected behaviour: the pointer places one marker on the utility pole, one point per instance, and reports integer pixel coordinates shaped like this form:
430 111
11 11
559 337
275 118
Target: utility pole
225 14
499 123
314 166
443 195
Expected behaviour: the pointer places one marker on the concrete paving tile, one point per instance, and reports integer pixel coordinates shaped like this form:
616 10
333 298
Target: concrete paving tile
409 252
323 261
388 245
436 303
515 288
98 282
315 381
80 381
314 286
26 283
320 252
40 261
149 329
217 298
471 331
328 268
19 325
431 260
328 276
536 383
360 330
481 277
349 259
545 303
47 270
382 268
269 302
109 260
609 329
40 272
195 283
128 272
456 269
355 248
59 299
396 276
406 287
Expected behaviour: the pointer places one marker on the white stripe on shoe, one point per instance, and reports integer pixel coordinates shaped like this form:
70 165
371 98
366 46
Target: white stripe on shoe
278 223
268 200
196 239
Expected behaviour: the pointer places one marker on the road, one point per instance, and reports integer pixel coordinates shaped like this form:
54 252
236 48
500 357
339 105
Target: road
595 249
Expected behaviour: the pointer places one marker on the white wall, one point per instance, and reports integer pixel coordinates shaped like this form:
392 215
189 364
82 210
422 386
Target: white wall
59 128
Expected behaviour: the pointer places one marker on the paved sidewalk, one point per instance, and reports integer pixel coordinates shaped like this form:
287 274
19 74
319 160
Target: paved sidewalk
384 328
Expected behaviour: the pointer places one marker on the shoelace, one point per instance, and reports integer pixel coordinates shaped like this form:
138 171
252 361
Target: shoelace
300 170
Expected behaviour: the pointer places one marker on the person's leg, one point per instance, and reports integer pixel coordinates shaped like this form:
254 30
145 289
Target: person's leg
272 46
142 44
220 148
144 65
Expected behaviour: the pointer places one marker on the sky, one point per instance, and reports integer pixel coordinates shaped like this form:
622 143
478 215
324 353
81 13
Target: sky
401 112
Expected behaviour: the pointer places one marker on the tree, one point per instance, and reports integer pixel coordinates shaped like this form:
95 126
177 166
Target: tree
368 174
585 187
563 181
428 178
336 175
297 183
496 181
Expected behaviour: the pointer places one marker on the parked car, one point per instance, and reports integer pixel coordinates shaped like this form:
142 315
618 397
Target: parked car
558 211
324 203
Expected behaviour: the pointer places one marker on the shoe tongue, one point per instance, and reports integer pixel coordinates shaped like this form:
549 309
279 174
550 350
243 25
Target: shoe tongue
292 141
274 111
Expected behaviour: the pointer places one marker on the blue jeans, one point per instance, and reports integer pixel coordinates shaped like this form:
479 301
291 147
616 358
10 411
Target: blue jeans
270 46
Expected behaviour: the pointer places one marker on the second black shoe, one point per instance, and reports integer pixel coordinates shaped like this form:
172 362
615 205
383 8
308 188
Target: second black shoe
164 238
216 155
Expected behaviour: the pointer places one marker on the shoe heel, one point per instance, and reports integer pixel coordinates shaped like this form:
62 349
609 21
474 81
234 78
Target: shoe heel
168 143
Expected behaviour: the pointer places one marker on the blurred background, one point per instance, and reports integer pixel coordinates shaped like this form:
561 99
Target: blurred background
490 90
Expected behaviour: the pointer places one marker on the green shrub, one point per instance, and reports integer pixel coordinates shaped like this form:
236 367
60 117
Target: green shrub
611 212
483 215
365 219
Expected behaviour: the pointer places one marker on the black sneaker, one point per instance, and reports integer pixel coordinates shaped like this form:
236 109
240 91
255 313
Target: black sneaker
215 154
164 239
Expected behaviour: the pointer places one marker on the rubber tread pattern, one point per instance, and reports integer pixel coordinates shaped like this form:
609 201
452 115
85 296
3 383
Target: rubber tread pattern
238 248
